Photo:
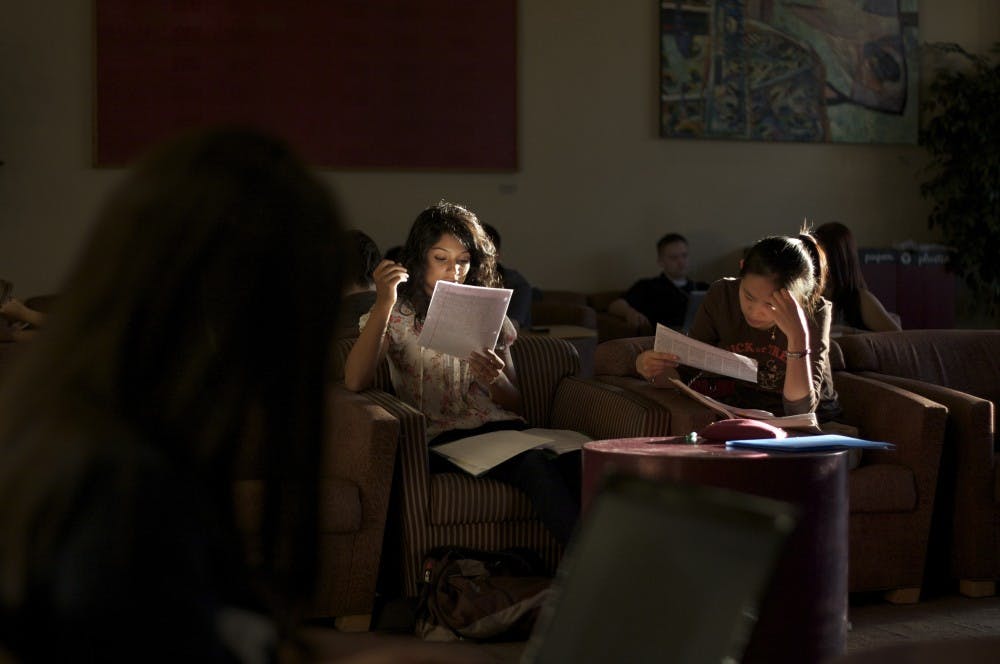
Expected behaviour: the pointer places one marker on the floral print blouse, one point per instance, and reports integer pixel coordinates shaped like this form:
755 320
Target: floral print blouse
438 385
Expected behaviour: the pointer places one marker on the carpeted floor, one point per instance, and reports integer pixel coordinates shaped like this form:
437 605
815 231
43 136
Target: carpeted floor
874 624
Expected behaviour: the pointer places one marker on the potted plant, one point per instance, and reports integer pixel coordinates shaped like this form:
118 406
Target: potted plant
962 138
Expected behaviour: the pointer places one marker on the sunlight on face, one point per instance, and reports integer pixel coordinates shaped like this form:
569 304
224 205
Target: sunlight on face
757 300
447 260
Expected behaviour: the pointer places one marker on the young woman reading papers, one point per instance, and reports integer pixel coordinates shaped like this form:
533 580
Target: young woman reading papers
774 313
459 396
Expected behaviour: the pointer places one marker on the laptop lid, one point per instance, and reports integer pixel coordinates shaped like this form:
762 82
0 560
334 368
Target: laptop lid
660 571
693 304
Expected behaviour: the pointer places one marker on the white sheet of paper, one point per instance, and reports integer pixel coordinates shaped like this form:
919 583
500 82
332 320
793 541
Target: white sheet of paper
723 409
804 421
704 356
477 454
461 319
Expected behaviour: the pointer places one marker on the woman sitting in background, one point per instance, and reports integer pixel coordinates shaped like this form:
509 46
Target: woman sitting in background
855 308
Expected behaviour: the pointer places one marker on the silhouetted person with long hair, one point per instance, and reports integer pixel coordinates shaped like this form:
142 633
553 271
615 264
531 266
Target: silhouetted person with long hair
158 381
854 306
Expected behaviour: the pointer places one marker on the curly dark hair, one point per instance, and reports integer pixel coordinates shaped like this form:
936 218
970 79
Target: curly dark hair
427 228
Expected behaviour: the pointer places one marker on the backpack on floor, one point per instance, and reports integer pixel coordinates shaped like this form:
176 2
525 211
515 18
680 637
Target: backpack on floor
480 595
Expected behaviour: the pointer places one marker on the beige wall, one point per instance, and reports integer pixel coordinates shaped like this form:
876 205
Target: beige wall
596 185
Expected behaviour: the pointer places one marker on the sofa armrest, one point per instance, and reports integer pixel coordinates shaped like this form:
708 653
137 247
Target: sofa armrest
412 424
542 362
610 327
970 421
683 413
601 300
914 424
616 357
968 474
361 447
602 411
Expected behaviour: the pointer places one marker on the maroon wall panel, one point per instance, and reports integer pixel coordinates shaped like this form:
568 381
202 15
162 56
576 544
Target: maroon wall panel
381 84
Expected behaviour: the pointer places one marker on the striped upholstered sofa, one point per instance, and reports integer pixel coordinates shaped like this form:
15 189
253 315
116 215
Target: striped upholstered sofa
455 509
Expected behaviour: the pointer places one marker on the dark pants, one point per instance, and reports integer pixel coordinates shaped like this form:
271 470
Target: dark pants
551 483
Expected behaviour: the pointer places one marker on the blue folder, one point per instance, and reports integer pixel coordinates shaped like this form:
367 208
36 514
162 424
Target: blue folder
810 443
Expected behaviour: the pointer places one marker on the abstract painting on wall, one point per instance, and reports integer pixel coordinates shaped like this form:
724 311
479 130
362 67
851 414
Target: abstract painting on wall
789 70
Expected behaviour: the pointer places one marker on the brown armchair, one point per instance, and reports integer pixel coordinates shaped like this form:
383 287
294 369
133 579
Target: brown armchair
562 308
356 477
452 509
612 326
555 307
961 370
891 493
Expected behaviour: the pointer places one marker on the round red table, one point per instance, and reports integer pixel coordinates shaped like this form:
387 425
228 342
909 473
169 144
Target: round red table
803 614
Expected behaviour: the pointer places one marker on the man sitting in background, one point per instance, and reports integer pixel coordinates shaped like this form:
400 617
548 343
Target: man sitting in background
662 299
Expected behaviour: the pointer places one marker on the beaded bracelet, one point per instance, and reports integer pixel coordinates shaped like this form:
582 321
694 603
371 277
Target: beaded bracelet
796 356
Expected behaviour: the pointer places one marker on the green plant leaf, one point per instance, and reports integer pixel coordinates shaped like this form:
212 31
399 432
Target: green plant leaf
961 133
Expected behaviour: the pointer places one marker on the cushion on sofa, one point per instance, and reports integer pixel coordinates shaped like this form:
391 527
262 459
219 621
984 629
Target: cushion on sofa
601 300
617 357
483 501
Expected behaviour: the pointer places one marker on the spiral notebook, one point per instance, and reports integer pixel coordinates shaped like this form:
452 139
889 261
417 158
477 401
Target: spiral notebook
661 572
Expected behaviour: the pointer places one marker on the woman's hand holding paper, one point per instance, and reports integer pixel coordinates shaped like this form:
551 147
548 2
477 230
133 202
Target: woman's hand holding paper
486 366
651 363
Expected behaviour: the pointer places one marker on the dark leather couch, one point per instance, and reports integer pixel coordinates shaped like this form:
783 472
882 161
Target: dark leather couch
961 370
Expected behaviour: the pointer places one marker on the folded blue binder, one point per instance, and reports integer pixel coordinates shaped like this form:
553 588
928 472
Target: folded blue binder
810 443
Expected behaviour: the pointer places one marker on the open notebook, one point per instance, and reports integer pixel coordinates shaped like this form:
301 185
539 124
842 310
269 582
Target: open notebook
661 572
